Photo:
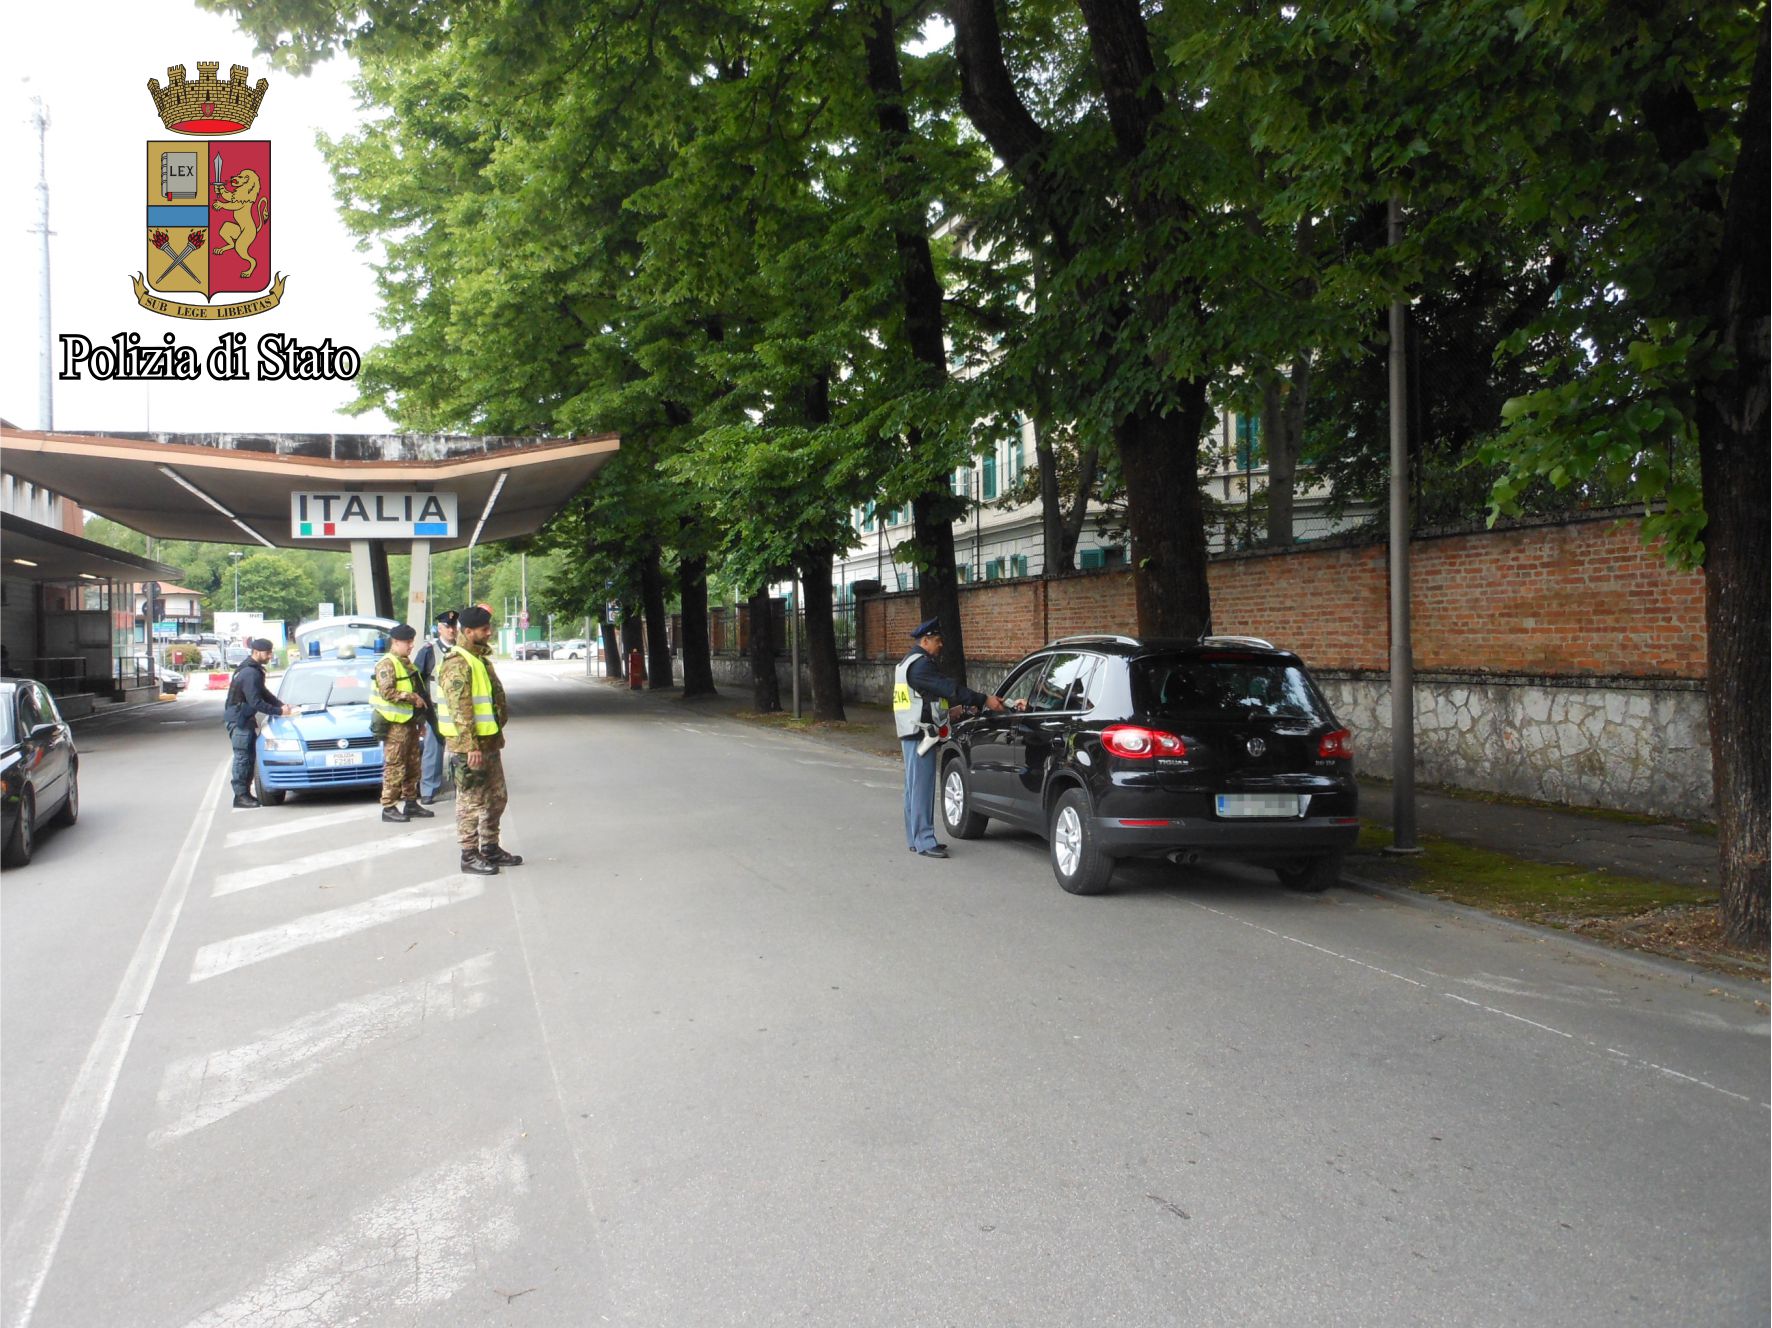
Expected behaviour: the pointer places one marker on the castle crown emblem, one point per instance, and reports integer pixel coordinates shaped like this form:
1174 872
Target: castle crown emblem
207 106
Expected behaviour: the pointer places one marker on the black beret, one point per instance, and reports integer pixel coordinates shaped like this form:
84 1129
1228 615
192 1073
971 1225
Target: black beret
475 616
928 627
404 632
259 643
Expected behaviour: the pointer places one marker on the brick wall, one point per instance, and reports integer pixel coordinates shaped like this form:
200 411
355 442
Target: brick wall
1586 599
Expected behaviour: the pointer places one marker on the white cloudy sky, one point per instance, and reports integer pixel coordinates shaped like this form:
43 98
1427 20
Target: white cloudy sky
90 62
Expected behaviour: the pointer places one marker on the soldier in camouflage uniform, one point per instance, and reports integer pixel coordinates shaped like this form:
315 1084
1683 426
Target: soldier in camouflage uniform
398 698
471 715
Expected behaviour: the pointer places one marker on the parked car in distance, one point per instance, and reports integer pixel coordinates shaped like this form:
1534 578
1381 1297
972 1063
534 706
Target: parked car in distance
577 648
172 681
39 768
327 743
1221 748
533 650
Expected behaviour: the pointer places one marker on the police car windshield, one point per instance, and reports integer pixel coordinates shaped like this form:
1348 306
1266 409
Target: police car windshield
1224 687
346 682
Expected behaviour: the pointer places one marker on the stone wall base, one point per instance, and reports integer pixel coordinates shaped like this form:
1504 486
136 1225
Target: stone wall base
1627 744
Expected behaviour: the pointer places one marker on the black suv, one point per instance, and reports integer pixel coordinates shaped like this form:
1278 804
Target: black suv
1221 747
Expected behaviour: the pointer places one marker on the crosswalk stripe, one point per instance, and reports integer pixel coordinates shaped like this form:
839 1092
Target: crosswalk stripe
317 928
251 878
200 1090
286 825
419 1245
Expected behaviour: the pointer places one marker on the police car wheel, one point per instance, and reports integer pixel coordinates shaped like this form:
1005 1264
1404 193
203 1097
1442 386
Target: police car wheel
957 816
269 797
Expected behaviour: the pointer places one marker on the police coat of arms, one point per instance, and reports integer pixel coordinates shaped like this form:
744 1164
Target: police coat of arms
209 199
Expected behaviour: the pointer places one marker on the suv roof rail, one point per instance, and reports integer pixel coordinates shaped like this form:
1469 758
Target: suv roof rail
1097 636
1237 641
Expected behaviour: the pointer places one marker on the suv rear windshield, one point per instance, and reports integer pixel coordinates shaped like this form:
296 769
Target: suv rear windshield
1225 686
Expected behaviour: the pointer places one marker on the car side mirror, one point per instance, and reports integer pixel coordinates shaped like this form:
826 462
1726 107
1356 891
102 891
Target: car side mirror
46 727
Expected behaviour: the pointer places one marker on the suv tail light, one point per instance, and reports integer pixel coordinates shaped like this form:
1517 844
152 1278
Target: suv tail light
1336 746
1137 743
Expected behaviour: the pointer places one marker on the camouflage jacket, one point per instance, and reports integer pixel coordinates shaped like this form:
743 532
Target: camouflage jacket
455 684
385 677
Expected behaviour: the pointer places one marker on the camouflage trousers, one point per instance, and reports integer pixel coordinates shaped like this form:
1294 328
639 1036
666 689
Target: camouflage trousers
399 764
480 799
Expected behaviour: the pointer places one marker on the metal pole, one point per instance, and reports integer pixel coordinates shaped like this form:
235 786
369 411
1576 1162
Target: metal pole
1402 652
46 375
794 639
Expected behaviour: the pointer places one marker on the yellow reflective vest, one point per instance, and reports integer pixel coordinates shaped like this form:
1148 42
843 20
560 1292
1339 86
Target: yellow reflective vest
395 712
485 717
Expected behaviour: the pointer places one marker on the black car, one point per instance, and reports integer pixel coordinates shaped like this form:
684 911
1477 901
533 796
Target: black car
1222 747
533 650
39 768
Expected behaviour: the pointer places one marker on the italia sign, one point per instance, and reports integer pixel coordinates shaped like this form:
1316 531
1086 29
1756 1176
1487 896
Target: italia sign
335 514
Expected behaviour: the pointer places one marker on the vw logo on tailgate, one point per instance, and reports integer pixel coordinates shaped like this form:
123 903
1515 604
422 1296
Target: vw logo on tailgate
1257 747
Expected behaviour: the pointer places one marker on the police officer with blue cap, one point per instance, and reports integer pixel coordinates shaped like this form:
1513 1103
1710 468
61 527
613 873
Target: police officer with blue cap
921 694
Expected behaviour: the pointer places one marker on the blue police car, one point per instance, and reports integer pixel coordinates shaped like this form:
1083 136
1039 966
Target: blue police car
327 744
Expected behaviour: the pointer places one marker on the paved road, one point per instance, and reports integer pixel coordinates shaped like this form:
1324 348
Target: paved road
724 1053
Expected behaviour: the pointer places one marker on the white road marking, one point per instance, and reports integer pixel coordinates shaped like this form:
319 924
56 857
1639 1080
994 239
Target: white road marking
38 1222
1675 1074
203 1089
285 825
1464 1000
1280 935
317 928
417 1247
251 878
1487 1009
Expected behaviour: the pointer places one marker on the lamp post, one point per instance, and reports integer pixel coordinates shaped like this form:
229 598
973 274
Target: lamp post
235 559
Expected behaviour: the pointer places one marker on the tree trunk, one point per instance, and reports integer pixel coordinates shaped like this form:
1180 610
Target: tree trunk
652 600
821 635
1051 505
919 289
1088 462
611 650
1160 461
1282 430
632 637
1733 457
765 685
938 581
1158 442
698 656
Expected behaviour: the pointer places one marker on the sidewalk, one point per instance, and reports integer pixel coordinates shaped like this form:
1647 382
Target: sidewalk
1604 843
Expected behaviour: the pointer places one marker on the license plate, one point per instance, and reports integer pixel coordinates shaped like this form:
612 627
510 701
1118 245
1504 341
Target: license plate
1270 805
335 759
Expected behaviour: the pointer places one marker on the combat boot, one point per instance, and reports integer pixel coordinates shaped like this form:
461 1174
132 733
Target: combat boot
392 813
475 865
415 812
494 854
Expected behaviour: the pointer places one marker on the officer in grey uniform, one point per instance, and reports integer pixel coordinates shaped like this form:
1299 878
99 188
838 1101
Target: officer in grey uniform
921 694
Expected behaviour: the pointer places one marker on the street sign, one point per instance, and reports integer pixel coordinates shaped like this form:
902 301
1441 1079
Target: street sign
335 514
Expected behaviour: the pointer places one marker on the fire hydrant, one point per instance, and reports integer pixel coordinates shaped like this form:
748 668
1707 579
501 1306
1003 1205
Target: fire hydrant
636 670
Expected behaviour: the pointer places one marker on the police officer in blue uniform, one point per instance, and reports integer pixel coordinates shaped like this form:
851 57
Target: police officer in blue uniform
248 698
427 659
921 694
